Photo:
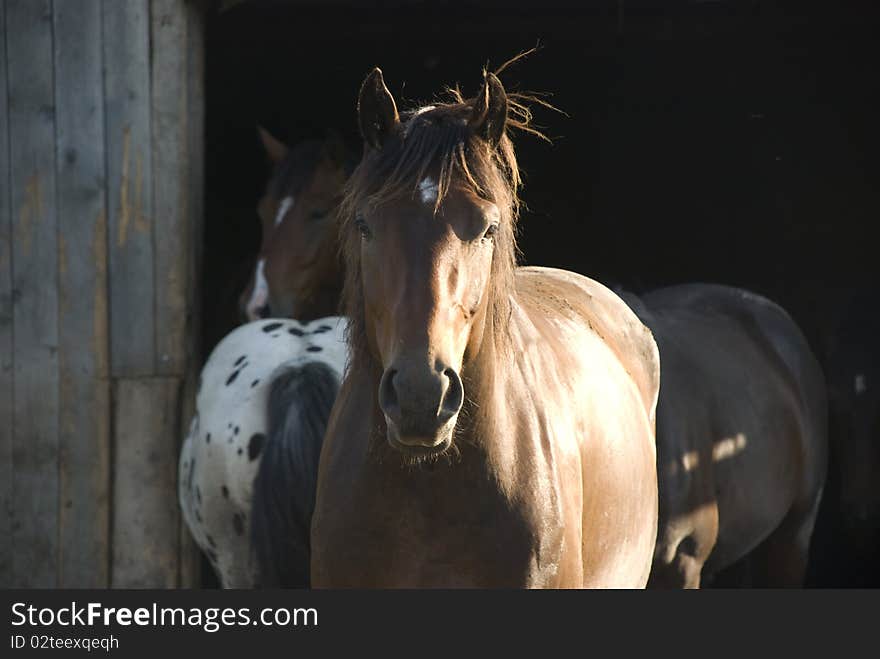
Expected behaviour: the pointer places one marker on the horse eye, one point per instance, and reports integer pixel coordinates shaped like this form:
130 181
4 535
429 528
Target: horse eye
317 215
361 226
491 231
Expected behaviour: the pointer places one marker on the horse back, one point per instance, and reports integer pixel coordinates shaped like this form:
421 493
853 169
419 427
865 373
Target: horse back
742 420
784 346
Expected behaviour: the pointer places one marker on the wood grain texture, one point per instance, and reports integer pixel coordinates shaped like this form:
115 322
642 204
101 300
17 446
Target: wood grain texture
190 555
146 518
35 293
170 117
84 412
126 45
6 346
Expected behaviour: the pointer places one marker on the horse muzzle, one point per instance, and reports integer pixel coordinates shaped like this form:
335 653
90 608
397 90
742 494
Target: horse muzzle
421 407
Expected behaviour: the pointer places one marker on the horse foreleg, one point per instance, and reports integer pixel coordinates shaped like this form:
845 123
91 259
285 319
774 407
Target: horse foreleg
683 550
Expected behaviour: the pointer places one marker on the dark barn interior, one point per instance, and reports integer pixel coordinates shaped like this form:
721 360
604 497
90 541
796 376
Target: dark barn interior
732 142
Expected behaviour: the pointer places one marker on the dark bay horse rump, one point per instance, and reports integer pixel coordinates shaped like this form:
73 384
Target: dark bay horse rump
741 435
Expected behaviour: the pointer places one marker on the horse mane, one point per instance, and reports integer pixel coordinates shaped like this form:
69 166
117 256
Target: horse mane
436 140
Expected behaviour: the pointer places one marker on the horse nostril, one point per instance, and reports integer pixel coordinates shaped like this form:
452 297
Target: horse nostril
388 395
453 397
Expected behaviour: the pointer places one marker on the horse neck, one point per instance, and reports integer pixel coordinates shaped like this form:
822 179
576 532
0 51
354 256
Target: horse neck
486 378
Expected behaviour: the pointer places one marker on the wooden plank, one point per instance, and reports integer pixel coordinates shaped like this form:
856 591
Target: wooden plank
146 519
6 353
35 293
126 43
190 555
196 89
170 181
84 413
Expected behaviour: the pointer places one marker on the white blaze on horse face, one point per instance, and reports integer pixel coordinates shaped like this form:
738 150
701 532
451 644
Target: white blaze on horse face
428 191
260 295
285 205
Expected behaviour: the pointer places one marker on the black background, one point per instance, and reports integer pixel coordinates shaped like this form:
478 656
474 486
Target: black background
732 142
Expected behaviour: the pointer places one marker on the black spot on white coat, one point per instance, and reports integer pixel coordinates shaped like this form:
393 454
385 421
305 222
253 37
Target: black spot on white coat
255 445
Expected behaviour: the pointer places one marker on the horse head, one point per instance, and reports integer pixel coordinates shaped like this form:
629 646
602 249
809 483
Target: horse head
297 273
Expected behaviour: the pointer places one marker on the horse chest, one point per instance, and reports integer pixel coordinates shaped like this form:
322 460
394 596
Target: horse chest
447 527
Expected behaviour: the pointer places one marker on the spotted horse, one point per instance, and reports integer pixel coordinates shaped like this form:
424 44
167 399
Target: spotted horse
264 398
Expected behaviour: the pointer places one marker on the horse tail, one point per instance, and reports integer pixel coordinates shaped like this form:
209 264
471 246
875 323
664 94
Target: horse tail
299 406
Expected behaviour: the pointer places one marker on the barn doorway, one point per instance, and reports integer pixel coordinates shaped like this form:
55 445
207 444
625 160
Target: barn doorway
711 141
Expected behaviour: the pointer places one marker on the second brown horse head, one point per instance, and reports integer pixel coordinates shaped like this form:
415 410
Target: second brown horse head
297 272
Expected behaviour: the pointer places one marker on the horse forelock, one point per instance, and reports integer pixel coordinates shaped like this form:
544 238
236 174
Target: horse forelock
293 173
435 140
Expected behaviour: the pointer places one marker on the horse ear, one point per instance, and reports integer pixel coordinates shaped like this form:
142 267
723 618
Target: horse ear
489 117
377 112
275 148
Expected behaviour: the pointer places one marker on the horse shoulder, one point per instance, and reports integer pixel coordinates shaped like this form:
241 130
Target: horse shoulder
607 315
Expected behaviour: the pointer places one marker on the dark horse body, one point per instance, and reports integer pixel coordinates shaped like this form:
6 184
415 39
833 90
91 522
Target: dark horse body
496 427
741 436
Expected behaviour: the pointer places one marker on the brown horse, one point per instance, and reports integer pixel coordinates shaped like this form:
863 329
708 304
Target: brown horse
496 425
741 436
297 273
